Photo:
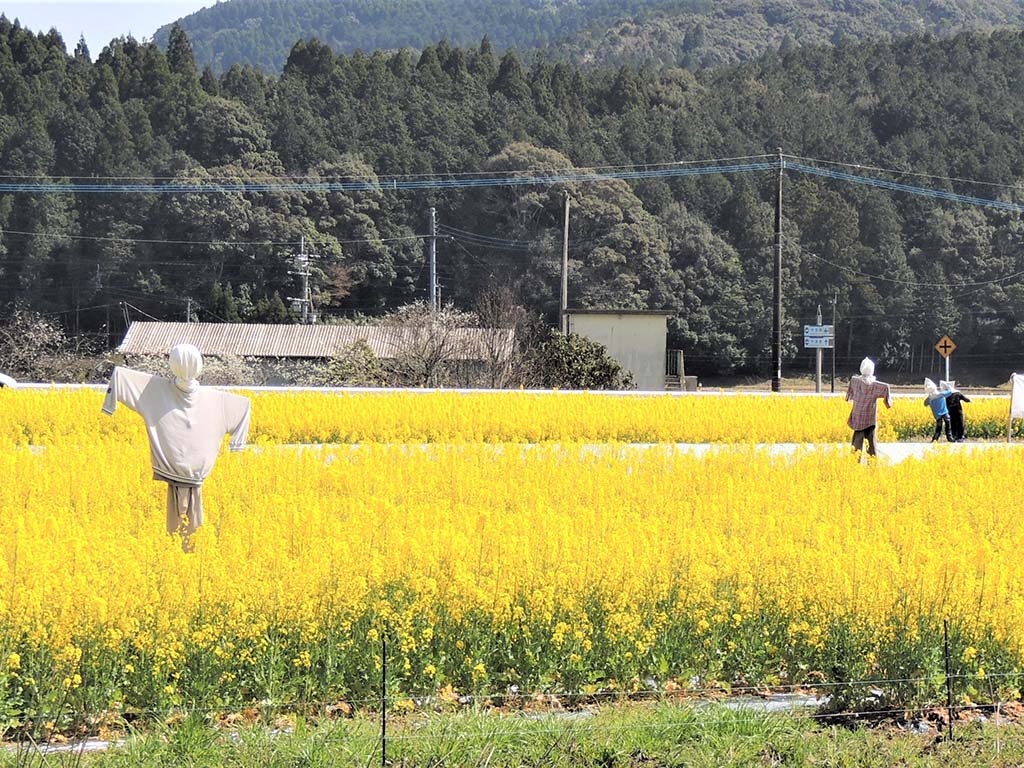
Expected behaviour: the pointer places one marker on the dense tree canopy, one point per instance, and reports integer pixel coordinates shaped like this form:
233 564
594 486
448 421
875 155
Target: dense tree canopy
904 268
694 33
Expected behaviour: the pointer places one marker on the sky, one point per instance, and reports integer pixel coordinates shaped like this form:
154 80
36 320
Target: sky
99 20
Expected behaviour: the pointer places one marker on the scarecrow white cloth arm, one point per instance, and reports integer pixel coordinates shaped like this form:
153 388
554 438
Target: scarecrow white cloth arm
237 412
125 387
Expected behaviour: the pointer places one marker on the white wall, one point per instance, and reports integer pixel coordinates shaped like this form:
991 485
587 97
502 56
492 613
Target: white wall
637 342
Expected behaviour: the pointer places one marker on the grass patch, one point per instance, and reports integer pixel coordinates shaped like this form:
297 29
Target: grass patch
633 735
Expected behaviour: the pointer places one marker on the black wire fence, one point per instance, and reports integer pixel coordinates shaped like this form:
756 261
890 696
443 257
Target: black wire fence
868 701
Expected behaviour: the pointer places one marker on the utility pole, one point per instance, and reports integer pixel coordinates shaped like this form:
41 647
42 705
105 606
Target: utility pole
563 306
100 292
433 260
78 304
777 286
835 300
303 304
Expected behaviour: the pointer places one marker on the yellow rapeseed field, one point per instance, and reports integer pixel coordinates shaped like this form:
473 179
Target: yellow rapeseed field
41 417
488 558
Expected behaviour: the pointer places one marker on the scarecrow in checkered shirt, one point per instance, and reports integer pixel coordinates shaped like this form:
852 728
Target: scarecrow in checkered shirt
864 392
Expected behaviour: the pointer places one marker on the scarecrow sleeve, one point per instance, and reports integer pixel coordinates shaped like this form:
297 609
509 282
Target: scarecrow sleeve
125 387
237 411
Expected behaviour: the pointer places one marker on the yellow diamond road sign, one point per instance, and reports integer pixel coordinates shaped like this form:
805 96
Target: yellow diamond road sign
945 346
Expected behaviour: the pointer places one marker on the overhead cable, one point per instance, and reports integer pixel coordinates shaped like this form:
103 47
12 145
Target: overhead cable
383 185
897 172
159 241
464 174
913 283
894 186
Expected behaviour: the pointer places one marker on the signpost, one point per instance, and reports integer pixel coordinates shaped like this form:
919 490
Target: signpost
819 337
945 347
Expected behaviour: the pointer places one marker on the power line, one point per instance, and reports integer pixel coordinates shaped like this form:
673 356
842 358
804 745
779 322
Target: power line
912 283
485 238
451 174
209 311
396 183
479 259
99 238
78 309
896 172
146 314
89 263
681 168
241 243
939 194
383 185
147 296
578 245
522 246
487 244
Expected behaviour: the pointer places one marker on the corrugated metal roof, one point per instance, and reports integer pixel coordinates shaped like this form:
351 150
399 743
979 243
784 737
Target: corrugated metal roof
265 340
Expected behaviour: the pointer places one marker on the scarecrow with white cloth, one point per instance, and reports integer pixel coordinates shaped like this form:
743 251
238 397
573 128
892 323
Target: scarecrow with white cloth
864 392
186 424
954 404
936 400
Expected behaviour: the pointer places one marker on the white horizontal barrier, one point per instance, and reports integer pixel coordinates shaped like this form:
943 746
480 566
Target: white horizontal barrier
603 392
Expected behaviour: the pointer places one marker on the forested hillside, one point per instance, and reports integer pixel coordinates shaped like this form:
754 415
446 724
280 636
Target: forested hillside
690 32
906 268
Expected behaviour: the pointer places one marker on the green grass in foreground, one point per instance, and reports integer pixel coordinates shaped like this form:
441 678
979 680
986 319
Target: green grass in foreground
637 735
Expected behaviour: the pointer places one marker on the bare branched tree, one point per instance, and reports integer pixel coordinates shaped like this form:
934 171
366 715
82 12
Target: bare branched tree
30 344
218 370
431 349
353 366
505 329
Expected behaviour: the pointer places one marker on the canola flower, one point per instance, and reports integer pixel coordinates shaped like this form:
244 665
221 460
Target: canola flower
41 417
569 567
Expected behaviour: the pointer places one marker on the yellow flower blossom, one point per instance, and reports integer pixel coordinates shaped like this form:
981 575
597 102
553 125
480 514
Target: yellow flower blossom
498 527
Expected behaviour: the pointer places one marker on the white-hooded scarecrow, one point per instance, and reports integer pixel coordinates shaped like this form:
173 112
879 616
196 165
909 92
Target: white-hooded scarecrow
936 400
186 424
954 404
864 392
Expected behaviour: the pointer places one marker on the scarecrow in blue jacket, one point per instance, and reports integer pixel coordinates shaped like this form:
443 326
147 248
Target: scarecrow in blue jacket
936 400
954 404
